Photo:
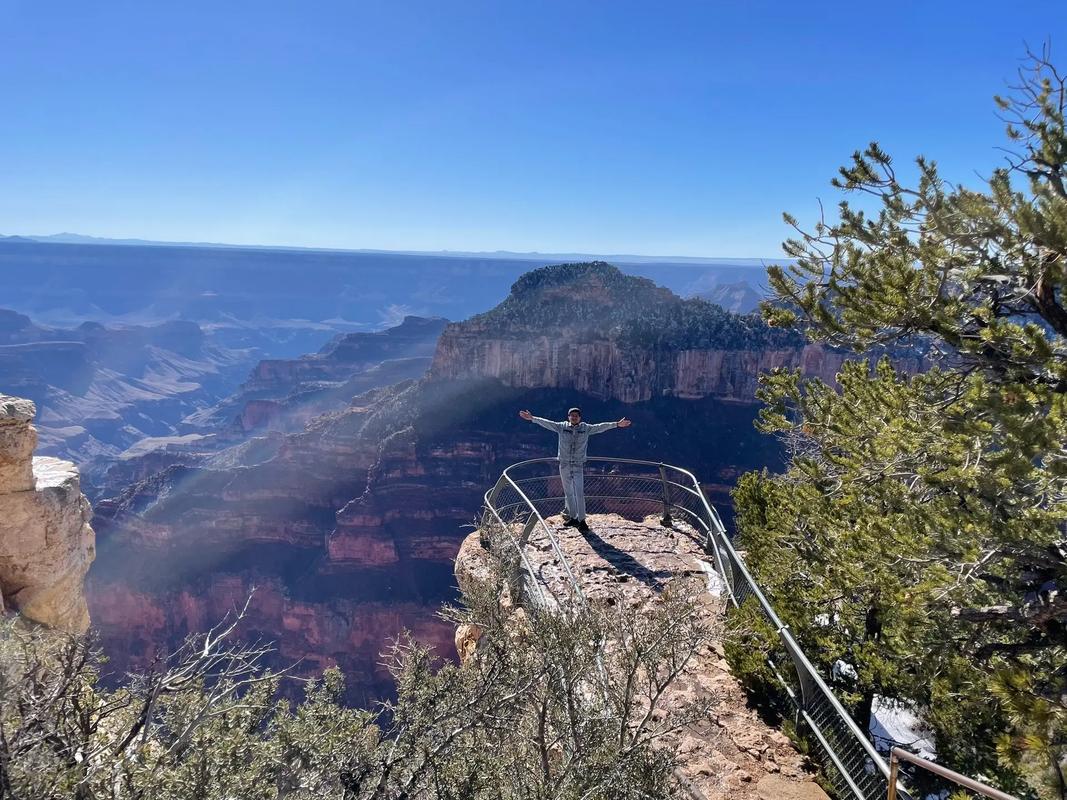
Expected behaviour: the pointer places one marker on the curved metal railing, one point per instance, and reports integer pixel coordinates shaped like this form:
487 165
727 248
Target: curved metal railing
530 491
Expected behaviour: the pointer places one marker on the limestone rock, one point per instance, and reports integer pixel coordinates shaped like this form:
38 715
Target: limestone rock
775 787
474 563
46 542
467 636
17 442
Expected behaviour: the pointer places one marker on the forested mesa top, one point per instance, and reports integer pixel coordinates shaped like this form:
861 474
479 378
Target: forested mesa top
598 299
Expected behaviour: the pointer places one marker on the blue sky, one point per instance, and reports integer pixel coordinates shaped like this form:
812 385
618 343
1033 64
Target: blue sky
584 126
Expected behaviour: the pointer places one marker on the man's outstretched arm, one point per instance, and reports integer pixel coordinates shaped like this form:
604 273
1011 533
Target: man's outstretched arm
600 427
544 423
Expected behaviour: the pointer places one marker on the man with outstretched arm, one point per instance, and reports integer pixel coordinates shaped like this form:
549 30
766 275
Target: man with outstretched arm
573 440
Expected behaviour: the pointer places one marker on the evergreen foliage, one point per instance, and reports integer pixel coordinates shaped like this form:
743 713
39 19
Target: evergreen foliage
920 530
598 300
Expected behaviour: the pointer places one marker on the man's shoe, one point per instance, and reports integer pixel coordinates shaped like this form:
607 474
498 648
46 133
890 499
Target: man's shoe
570 522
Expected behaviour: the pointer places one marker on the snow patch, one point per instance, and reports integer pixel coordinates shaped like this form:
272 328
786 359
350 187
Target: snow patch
896 724
716 585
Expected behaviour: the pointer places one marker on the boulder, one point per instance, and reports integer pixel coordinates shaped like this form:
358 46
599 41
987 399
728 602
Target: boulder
17 442
775 787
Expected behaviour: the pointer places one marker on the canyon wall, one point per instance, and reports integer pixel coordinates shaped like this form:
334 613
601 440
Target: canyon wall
347 354
284 394
606 370
99 391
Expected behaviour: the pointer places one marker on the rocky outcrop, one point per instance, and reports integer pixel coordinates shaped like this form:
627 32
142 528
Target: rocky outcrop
46 543
727 754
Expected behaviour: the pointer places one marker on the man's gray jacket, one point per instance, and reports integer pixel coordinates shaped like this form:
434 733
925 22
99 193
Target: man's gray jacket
573 439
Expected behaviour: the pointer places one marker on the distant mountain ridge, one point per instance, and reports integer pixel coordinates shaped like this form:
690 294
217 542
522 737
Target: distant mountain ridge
286 302
622 258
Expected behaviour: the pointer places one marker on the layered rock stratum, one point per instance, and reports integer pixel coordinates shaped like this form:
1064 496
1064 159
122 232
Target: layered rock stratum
46 542
100 390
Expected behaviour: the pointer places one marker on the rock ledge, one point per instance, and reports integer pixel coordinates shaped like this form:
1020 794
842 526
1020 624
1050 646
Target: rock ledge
731 755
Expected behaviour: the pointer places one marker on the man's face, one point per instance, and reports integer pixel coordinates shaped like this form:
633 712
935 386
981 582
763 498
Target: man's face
574 418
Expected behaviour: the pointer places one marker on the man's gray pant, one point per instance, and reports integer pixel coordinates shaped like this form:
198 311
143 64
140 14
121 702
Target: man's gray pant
573 477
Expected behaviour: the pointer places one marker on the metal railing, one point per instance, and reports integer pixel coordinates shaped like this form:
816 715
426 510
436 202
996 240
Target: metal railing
530 491
896 755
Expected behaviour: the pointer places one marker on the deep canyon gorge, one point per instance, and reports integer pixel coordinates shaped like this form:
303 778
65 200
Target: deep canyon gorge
345 522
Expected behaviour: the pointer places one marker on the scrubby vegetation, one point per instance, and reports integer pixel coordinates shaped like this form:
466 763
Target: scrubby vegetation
528 716
920 531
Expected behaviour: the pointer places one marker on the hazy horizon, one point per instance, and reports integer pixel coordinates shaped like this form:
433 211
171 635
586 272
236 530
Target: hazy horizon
70 237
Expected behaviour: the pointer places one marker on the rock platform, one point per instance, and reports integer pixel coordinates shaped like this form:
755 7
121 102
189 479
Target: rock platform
729 755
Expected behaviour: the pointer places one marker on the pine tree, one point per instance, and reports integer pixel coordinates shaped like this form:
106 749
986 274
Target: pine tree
919 532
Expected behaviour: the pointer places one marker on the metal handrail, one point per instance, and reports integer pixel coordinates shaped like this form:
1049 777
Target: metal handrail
552 539
521 551
897 754
736 579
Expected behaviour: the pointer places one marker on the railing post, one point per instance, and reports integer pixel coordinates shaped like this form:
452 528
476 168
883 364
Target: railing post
894 769
490 504
527 529
972 785
666 520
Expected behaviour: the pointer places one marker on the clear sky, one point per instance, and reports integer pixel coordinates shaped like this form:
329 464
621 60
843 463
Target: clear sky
593 126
